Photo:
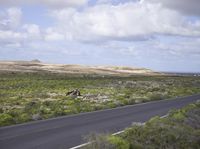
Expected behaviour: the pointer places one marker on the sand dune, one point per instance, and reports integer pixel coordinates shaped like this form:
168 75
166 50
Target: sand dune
37 66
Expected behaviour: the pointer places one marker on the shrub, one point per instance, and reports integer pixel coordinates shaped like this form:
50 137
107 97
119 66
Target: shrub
102 141
156 96
24 117
118 142
6 119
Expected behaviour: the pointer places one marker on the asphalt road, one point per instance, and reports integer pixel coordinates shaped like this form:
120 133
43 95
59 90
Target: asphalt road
65 132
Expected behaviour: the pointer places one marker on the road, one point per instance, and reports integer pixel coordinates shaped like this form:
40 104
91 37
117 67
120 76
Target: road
65 132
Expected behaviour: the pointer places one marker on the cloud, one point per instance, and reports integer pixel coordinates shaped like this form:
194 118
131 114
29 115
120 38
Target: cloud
189 7
10 19
13 32
52 35
135 20
10 36
114 2
32 31
128 21
180 47
48 3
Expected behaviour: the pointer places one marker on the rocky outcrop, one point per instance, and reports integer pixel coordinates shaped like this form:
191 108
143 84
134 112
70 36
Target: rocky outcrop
74 93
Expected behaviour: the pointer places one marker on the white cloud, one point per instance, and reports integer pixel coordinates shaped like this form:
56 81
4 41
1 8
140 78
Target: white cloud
102 22
11 18
32 30
63 3
51 35
48 3
128 21
10 36
191 7
180 48
13 45
115 2
13 32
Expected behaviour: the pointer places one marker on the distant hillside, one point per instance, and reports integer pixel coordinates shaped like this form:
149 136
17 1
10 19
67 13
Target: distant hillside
37 66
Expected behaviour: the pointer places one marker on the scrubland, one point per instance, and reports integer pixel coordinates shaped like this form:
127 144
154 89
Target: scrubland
34 96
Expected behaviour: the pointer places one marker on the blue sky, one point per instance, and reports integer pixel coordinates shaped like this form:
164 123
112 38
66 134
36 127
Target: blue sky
162 35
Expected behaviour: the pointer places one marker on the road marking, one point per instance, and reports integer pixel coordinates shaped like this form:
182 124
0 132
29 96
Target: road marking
114 134
117 133
164 116
82 145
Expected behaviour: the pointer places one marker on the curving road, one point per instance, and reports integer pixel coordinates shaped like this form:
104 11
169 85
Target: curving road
65 132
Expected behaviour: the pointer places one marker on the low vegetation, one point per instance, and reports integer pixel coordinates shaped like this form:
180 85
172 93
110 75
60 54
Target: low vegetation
180 130
33 96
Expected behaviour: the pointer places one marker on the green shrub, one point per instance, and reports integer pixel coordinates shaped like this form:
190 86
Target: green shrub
24 117
102 141
156 96
118 142
6 119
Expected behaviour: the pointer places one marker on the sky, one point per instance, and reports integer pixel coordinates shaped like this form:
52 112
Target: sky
163 35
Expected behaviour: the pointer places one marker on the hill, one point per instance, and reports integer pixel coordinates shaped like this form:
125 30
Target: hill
37 66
